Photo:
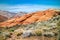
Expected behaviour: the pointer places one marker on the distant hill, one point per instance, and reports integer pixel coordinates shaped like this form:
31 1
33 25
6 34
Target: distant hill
20 14
7 14
3 18
10 15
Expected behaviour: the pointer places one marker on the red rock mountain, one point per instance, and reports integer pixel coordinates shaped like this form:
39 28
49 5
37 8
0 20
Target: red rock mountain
30 18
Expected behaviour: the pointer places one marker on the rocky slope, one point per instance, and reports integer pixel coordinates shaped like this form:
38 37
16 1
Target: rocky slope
30 18
3 18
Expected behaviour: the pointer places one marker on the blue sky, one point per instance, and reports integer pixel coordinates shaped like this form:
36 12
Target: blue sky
28 5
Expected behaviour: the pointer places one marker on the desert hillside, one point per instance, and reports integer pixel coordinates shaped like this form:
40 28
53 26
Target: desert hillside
40 25
30 18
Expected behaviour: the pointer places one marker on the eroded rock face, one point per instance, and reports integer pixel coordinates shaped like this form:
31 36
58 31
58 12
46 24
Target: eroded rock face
30 18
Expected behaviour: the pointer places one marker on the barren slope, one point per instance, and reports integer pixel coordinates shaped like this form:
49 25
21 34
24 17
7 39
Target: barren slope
30 18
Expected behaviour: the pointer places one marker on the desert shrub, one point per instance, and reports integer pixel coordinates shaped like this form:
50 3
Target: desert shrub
37 32
48 34
2 37
58 27
18 32
27 33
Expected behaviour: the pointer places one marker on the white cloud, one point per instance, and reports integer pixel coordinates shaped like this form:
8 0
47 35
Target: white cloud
25 8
